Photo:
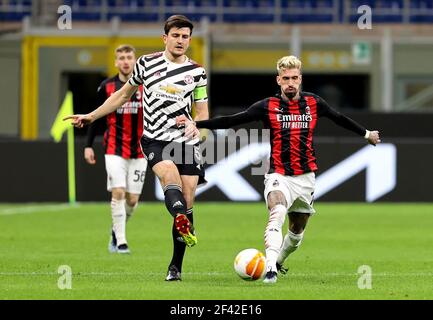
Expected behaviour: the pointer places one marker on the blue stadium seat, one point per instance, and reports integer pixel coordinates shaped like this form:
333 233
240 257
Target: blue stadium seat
81 9
192 9
21 8
238 11
211 5
133 10
311 11
250 11
421 11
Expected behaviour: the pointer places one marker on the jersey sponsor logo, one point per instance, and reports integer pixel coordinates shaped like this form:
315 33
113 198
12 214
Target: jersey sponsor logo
168 97
130 107
294 121
170 89
172 93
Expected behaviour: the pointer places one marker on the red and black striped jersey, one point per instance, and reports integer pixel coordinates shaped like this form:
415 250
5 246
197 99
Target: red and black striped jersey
124 126
292 124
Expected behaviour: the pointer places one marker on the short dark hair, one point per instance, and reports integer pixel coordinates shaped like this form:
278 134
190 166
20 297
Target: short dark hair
177 21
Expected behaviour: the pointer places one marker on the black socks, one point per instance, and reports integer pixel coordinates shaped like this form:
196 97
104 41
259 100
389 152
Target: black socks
174 200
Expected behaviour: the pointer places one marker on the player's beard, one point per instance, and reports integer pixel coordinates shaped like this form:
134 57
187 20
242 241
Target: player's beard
291 94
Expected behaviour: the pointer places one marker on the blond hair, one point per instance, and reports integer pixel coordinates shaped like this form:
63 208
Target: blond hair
124 48
289 62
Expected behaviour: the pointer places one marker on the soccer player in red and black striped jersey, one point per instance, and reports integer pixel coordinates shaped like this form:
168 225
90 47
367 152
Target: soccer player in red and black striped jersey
291 116
124 159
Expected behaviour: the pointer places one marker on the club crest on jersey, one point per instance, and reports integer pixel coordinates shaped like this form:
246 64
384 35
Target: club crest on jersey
188 79
157 74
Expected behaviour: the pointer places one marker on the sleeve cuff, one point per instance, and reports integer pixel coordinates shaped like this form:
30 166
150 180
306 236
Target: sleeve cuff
133 83
367 134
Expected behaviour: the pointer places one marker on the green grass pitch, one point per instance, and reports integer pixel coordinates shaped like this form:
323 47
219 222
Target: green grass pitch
394 240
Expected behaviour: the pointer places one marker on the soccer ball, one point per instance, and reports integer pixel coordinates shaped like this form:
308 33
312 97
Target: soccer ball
250 264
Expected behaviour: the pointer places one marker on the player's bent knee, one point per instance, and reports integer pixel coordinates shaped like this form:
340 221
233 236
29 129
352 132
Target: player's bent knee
132 198
276 198
298 222
118 193
167 172
132 202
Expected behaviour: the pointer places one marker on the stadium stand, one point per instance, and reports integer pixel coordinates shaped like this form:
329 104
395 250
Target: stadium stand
14 10
236 11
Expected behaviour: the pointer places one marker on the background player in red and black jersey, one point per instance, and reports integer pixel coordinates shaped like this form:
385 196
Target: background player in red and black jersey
291 117
124 160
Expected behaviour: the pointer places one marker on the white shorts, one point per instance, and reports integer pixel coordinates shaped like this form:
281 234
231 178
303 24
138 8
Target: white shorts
125 173
298 190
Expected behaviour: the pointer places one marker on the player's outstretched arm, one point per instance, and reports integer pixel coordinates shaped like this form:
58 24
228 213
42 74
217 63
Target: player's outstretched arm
372 137
254 113
345 122
116 100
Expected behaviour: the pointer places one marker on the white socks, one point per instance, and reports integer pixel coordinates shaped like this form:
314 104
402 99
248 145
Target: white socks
129 210
291 242
118 215
274 236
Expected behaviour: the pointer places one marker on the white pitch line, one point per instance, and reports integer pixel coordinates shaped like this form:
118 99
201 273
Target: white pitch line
331 274
33 209
105 273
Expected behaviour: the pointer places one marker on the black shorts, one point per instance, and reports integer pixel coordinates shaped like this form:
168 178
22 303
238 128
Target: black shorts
186 157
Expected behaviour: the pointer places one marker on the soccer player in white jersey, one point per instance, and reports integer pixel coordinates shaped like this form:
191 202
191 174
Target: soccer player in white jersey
171 83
